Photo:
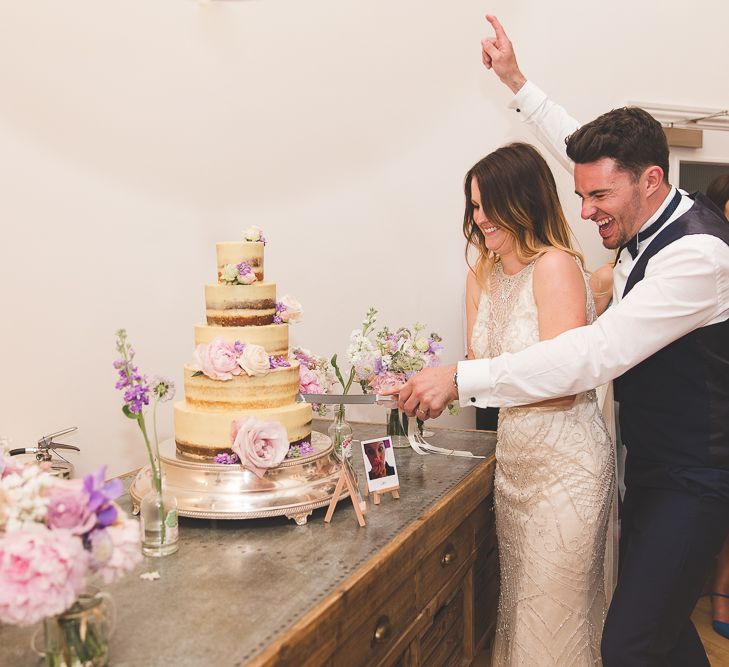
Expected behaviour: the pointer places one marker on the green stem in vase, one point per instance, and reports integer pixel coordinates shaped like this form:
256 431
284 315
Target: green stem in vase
156 472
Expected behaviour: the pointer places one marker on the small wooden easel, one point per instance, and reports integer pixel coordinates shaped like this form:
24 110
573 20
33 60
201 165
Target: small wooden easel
393 490
346 477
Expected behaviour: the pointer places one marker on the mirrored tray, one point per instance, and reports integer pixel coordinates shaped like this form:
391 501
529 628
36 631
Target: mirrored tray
206 490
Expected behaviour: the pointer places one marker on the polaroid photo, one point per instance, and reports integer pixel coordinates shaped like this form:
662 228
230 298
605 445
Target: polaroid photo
380 466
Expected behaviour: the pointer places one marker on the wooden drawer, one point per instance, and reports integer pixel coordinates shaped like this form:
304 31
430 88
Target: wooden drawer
443 562
486 594
373 627
442 642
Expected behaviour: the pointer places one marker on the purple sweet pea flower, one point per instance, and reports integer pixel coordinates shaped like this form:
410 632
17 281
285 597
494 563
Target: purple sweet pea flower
101 494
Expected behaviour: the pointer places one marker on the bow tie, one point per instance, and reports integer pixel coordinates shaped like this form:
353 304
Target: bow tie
632 244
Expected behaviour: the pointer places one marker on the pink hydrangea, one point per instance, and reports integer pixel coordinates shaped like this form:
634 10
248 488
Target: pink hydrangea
259 444
218 359
308 381
386 381
42 573
126 550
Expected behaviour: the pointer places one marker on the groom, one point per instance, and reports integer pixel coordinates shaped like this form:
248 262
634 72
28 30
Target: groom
665 341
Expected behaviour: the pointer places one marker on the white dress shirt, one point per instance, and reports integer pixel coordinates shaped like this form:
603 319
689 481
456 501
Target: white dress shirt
686 286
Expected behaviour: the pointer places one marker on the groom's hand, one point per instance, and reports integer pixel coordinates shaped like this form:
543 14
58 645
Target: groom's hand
428 393
497 53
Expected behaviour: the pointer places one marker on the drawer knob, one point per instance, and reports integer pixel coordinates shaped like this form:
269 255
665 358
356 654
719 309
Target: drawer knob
449 556
383 630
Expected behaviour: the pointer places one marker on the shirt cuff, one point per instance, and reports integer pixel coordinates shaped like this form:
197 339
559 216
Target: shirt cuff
528 99
474 378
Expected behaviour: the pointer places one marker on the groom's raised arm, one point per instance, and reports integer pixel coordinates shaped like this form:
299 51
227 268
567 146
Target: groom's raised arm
549 121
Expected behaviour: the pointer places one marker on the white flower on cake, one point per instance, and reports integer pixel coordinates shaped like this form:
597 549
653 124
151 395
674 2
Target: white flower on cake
259 444
254 360
218 360
229 273
253 233
291 311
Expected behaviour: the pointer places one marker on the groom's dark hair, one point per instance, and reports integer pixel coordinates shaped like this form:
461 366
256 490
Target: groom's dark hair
629 135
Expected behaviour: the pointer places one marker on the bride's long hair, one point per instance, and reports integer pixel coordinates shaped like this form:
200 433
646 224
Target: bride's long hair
519 195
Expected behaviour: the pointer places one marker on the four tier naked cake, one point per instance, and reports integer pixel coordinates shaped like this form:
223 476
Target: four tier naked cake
243 445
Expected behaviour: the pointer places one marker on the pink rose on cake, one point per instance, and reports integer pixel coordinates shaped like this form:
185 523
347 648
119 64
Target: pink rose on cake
218 359
288 309
254 360
259 444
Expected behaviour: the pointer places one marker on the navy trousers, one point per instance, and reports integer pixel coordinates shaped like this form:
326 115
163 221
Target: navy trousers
668 540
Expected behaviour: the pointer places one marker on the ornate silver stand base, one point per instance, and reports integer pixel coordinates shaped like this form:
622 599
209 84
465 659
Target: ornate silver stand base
214 491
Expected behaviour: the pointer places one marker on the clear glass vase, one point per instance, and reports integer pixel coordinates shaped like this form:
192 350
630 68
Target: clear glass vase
397 428
79 637
341 433
158 520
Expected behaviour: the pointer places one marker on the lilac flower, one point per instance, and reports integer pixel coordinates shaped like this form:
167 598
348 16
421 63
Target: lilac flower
227 459
238 347
278 362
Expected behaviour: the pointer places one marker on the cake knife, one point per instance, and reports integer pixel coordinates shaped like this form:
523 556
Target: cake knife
349 399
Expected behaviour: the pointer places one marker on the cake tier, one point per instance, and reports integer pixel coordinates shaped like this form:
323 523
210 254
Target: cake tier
240 305
274 338
235 252
203 434
243 392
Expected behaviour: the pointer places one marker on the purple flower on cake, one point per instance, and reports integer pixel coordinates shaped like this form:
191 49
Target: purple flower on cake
259 444
288 309
218 359
278 362
254 233
238 274
254 360
226 459
302 449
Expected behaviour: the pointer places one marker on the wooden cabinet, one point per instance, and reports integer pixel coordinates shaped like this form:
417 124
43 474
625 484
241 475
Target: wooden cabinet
429 600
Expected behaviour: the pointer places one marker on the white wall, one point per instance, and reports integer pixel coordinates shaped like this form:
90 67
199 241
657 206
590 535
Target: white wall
134 135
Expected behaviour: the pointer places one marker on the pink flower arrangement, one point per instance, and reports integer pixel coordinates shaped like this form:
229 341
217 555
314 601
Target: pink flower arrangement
316 376
54 534
222 360
259 444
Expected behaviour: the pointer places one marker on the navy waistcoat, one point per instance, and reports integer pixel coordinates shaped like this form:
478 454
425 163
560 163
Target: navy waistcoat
674 405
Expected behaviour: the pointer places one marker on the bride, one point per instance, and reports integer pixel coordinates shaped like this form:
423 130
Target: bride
555 472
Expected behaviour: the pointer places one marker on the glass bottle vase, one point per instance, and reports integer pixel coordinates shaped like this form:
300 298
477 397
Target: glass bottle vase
158 521
341 433
397 428
79 637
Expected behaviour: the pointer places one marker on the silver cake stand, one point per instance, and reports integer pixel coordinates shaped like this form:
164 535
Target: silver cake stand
205 490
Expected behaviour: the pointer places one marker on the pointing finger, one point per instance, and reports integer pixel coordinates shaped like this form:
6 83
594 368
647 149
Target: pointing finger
501 38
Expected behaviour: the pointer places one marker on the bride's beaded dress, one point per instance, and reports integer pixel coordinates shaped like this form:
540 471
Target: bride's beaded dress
553 490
